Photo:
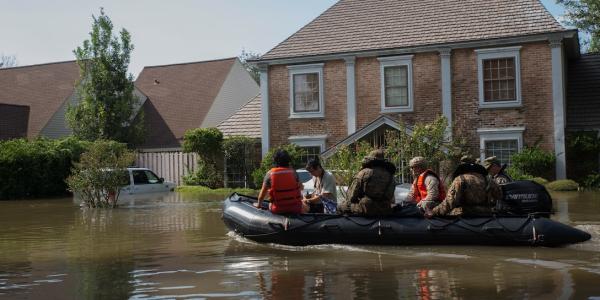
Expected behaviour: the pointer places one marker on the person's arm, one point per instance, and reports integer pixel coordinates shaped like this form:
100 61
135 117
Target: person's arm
355 191
433 193
410 197
262 195
452 201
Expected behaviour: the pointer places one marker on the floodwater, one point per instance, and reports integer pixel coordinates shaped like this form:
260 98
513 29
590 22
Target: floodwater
172 247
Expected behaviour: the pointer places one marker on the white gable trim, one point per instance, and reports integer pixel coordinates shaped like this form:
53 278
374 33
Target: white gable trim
353 138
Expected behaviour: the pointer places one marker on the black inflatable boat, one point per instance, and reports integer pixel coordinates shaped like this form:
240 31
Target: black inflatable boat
311 229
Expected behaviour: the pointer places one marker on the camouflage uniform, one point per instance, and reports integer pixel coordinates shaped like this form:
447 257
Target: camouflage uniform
469 194
372 190
501 178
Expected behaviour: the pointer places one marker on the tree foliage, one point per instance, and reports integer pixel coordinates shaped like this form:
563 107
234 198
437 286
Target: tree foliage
7 61
100 174
107 103
346 162
428 140
533 162
242 155
208 144
252 69
585 15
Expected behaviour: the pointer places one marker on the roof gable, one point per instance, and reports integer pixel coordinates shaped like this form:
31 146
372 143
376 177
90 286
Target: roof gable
181 95
359 134
245 122
44 88
363 25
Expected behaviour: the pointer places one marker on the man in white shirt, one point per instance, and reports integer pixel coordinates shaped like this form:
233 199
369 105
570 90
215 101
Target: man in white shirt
324 197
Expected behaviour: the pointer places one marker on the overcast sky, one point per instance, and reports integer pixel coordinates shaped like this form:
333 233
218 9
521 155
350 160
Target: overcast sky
163 32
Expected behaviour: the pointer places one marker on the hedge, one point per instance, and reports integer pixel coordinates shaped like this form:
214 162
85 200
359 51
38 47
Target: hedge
38 168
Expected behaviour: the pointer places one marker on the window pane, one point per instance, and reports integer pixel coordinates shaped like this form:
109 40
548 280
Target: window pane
503 149
152 178
306 92
310 152
396 86
499 79
139 177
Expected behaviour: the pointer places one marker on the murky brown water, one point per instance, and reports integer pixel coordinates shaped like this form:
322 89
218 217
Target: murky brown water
174 247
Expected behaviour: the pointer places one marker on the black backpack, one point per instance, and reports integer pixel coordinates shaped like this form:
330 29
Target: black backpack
525 197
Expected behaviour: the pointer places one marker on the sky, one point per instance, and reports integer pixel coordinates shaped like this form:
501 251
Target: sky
163 32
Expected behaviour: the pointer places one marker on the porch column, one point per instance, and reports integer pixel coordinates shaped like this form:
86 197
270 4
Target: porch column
350 94
264 107
446 72
558 107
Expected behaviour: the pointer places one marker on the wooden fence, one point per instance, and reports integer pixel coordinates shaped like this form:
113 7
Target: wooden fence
170 165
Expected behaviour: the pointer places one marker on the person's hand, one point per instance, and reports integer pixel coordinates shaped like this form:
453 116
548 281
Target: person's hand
428 214
257 205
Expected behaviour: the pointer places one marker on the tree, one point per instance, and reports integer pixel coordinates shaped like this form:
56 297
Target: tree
7 61
100 174
585 15
251 68
107 104
208 144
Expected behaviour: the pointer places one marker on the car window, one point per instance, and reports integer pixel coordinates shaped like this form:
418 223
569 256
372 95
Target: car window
140 177
152 178
304 176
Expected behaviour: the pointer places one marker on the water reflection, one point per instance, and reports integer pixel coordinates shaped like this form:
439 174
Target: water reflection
175 246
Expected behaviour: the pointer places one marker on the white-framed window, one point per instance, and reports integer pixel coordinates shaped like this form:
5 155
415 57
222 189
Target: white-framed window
396 83
499 77
500 142
314 145
306 91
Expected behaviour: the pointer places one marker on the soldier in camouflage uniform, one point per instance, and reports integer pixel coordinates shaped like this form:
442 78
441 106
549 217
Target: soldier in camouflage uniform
496 171
372 190
469 194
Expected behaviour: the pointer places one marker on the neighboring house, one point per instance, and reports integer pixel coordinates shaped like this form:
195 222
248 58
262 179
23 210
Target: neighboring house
495 69
191 95
245 122
46 90
13 121
583 109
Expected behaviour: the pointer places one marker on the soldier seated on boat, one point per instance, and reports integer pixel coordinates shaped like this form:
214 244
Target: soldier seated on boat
496 170
324 197
283 186
427 190
372 190
471 193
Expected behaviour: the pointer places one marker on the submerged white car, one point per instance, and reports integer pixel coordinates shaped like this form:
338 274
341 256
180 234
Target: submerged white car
143 180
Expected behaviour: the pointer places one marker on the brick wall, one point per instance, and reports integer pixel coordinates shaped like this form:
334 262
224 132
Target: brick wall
535 113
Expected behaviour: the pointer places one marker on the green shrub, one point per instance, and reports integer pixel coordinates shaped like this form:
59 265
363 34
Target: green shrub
243 155
38 168
591 182
208 144
563 185
534 161
517 174
101 172
346 162
540 180
583 148
266 164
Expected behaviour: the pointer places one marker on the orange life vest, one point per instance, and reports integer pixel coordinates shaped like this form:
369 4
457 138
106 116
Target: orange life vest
284 193
421 190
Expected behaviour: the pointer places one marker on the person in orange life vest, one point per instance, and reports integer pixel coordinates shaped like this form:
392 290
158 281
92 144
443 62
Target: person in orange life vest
427 190
283 186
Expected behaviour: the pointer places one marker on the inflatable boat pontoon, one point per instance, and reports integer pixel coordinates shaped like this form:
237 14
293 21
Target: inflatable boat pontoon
262 226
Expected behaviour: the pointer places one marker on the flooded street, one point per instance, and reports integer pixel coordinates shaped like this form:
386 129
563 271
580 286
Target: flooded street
173 247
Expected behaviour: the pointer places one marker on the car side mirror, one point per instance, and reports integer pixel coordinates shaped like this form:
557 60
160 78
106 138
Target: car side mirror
161 180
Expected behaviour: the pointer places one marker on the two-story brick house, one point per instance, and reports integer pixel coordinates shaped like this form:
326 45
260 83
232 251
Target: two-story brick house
495 69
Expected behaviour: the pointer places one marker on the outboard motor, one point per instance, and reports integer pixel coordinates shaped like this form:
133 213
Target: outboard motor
524 197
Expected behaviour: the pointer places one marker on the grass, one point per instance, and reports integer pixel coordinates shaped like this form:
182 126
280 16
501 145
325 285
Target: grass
205 192
563 185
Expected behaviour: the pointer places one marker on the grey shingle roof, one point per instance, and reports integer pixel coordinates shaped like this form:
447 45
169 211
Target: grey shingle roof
362 25
583 92
245 122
